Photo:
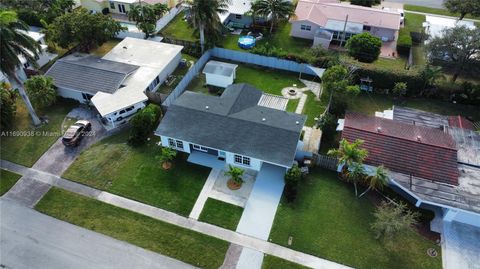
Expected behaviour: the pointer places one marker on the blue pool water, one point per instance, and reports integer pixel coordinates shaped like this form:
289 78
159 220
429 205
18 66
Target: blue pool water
246 42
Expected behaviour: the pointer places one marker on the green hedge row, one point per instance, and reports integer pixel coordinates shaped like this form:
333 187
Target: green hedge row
404 42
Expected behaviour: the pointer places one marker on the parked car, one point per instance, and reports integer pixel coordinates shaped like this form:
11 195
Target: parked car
76 132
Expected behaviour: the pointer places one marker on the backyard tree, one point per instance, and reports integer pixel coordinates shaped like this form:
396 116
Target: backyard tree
364 47
348 154
205 19
275 9
336 82
15 42
84 29
400 89
146 17
166 157
459 46
8 105
356 174
391 218
292 179
376 181
235 174
143 124
463 7
41 91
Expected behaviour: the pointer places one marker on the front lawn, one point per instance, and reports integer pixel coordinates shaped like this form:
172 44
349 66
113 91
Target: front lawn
167 239
134 172
221 214
329 222
179 29
272 262
438 11
7 180
24 144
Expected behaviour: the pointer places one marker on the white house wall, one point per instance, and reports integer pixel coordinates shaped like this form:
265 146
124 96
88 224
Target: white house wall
93 5
255 164
219 81
65 93
298 32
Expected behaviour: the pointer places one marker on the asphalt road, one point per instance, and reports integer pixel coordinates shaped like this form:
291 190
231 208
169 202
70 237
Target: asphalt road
29 239
425 3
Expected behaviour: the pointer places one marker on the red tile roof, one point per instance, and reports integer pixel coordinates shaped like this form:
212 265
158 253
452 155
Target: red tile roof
420 151
460 122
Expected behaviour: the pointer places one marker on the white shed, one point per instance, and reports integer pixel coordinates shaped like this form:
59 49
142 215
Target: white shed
220 74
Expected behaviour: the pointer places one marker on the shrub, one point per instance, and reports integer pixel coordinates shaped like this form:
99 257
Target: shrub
392 218
400 89
41 91
8 106
292 179
404 42
338 107
166 157
364 47
143 124
365 3
328 124
235 173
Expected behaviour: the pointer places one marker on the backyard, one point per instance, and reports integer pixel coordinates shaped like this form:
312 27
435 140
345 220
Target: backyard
24 144
179 243
179 29
7 180
328 221
134 172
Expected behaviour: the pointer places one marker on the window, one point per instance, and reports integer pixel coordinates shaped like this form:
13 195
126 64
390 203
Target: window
366 28
238 17
112 5
179 144
200 148
242 160
171 142
305 27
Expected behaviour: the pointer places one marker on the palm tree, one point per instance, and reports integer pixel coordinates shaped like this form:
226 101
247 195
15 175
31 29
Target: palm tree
378 180
15 42
166 157
253 12
349 153
355 174
277 9
146 17
204 15
235 174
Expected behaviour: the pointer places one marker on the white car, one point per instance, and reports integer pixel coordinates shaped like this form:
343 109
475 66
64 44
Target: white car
397 10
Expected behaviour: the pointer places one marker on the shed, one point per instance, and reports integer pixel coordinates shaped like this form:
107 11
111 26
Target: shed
220 74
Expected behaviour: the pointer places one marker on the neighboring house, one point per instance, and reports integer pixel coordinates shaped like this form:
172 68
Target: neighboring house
121 7
324 21
231 129
434 160
116 83
434 25
238 14
220 74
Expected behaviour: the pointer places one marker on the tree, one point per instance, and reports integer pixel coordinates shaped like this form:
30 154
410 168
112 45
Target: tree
82 28
364 47
41 91
205 19
400 89
292 179
15 42
8 106
235 174
356 174
336 81
391 218
146 17
459 45
349 153
365 3
143 124
430 74
166 157
276 9
463 7
378 180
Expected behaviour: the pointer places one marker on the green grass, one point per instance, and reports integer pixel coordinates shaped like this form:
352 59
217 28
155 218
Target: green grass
292 105
397 64
328 221
179 243
438 11
134 172
7 180
313 108
369 103
419 56
272 262
179 29
27 147
221 214
413 22
106 47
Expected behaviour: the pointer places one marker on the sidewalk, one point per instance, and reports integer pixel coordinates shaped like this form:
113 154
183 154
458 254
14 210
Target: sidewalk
172 218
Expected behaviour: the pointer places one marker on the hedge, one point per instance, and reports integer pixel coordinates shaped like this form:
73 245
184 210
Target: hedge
404 42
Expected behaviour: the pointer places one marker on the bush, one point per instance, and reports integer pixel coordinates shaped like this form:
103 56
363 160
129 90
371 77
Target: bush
41 91
292 179
392 218
365 3
404 42
400 89
328 124
143 124
8 105
364 47
338 107
30 17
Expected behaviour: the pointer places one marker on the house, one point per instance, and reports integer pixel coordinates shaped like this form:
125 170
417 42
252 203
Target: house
324 21
238 14
434 25
231 129
116 83
219 74
120 7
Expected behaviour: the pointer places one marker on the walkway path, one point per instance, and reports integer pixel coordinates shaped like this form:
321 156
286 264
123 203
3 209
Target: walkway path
203 196
172 218
315 87
301 104
33 240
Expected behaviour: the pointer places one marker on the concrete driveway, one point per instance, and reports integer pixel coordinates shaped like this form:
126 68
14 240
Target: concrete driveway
58 158
29 239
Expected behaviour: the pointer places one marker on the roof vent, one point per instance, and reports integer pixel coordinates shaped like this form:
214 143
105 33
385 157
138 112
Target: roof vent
125 47
207 107
379 129
297 122
263 119
419 138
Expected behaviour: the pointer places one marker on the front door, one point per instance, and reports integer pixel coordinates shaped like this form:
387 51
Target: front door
121 8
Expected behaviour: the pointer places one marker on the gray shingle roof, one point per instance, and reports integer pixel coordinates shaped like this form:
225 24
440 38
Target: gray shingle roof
219 68
89 74
235 123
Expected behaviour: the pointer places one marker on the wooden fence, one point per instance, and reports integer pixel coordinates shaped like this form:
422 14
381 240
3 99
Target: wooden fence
326 162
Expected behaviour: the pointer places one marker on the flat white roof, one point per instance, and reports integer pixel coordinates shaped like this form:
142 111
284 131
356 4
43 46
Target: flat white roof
435 25
151 57
219 68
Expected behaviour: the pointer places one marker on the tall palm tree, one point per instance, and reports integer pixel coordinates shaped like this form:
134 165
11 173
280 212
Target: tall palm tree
276 9
349 153
355 174
204 15
146 17
15 42
378 180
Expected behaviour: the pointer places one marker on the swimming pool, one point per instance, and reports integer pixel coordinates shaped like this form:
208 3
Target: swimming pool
246 42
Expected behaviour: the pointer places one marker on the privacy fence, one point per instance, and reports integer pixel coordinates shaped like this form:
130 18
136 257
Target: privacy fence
236 56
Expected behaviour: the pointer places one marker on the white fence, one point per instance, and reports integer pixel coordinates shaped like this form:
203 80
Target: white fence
168 17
